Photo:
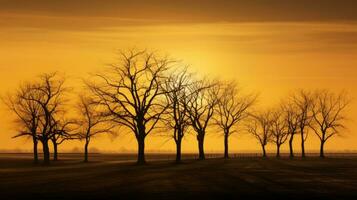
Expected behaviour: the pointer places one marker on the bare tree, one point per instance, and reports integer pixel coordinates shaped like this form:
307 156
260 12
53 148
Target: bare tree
131 91
260 127
203 97
176 87
291 115
303 100
91 122
231 110
49 92
27 113
62 130
328 115
279 130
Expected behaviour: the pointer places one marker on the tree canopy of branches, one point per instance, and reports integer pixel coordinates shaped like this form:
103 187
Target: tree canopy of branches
290 112
38 106
231 109
279 129
260 127
28 113
303 100
91 122
62 130
144 91
200 106
49 97
132 93
177 117
328 115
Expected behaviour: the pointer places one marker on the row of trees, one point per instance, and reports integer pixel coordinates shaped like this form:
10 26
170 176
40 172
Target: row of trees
146 93
321 112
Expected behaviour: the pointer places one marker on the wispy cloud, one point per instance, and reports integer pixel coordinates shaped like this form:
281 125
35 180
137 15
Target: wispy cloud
103 13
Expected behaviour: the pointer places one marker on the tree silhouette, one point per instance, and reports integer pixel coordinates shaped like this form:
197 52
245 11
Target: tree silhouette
279 129
144 91
27 113
177 93
91 122
203 97
231 109
49 92
62 129
328 115
259 126
290 111
303 100
131 92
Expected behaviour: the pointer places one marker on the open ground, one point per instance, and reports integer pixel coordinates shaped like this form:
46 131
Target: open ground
110 176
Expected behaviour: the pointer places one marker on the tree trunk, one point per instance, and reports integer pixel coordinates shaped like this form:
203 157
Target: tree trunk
141 150
226 134
55 157
291 145
86 150
178 150
200 139
302 144
278 151
264 152
322 155
46 152
35 153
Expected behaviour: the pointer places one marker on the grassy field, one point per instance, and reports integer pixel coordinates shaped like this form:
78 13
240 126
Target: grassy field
110 176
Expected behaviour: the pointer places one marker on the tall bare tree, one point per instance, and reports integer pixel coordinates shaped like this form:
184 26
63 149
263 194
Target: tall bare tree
176 87
91 122
328 115
131 91
259 126
27 112
232 108
290 112
49 96
303 100
279 129
200 105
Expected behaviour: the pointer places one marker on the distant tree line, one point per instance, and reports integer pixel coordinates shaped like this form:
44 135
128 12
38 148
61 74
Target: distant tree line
320 111
147 93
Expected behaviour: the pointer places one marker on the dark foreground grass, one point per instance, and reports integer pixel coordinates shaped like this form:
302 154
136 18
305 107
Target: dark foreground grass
311 178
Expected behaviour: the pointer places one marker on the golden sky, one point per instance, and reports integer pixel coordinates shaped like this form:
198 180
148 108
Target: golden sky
270 47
